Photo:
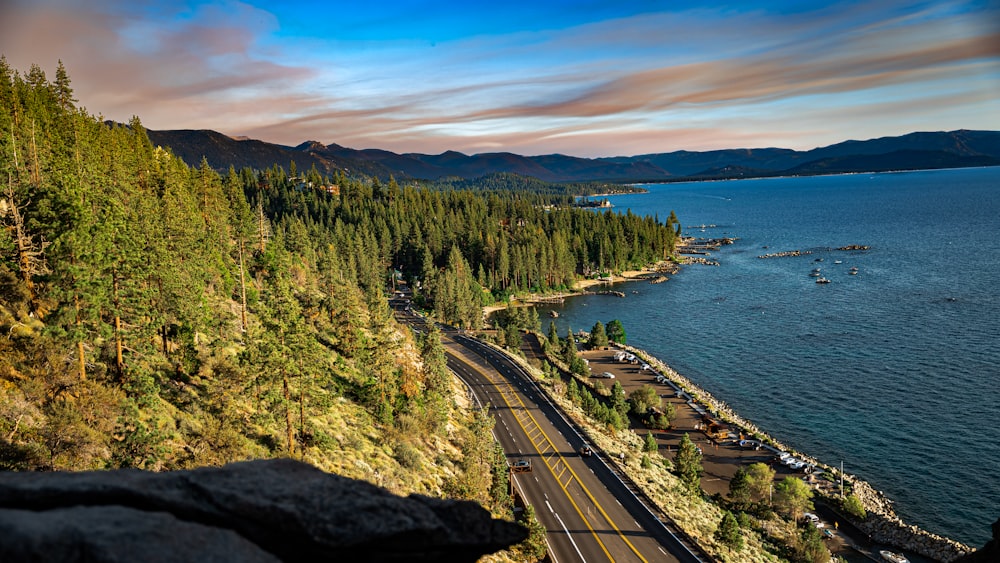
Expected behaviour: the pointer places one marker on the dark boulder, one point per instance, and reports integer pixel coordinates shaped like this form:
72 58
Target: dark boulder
251 511
989 553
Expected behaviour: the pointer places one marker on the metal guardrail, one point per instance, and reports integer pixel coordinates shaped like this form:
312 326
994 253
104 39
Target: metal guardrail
682 538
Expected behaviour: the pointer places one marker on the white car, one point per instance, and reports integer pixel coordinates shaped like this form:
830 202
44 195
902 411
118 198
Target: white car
813 519
607 375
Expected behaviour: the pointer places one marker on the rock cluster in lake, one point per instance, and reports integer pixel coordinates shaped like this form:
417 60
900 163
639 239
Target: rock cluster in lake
267 510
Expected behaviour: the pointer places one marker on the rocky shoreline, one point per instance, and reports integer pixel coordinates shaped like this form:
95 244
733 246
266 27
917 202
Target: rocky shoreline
881 524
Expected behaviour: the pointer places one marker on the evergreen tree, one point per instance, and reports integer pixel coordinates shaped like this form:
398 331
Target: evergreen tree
739 487
534 548
618 401
437 378
616 331
650 444
553 338
729 533
598 338
569 349
687 464
810 548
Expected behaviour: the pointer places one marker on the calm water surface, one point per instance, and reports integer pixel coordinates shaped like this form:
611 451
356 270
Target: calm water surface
895 371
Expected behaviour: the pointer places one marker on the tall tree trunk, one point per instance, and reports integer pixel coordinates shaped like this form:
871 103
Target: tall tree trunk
36 168
261 225
302 410
243 289
28 255
119 358
81 358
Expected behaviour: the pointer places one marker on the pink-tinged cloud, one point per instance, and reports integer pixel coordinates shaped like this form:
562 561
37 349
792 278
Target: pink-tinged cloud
694 80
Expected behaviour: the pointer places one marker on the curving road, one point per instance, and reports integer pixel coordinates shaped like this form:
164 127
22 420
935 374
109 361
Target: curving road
590 514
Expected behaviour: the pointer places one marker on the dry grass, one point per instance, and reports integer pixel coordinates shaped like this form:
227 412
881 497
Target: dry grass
699 518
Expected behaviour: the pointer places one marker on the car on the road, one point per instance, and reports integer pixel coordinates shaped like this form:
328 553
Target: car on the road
521 466
586 451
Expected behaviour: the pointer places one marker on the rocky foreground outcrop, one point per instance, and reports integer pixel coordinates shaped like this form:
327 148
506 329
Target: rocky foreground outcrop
267 510
989 553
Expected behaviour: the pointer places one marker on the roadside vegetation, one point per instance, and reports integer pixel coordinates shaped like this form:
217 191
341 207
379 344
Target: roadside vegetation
159 316
760 520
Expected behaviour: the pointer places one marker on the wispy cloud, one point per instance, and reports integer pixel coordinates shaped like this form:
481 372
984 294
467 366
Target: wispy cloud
630 82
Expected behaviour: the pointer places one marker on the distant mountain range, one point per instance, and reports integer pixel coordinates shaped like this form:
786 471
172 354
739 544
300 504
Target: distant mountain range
915 151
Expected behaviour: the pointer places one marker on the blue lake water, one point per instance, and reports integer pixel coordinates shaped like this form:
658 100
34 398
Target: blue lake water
895 371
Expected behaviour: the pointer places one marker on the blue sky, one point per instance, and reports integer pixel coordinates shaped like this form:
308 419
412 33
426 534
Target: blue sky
584 78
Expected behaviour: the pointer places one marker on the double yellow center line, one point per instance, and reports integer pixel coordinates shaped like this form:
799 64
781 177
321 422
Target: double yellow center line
545 459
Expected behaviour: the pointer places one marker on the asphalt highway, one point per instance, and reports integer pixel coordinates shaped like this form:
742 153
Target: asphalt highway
590 514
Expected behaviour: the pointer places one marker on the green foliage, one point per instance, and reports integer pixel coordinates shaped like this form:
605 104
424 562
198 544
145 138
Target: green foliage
553 337
138 442
616 331
646 462
739 487
407 455
792 497
687 464
572 390
650 445
644 398
569 348
852 506
595 407
500 498
598 338
760 480
729 533
534 548
808 547
618 401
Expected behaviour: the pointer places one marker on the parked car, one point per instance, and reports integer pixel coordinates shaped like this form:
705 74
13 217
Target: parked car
607 375
813 519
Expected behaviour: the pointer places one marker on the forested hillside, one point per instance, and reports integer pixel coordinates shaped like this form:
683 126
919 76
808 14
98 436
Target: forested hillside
160 316
154 317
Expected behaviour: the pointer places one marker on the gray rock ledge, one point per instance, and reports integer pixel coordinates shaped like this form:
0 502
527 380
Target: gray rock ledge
266 510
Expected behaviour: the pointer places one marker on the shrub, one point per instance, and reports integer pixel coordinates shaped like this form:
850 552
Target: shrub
852 506
407 455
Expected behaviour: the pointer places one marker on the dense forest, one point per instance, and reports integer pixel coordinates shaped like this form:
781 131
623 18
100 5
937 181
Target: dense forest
162 316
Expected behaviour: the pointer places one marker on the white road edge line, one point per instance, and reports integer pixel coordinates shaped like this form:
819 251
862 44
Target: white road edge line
582 558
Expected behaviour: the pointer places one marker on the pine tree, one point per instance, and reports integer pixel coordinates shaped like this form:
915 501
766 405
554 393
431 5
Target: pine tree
729 533
598 338
739 488
616 332
569 349
650 444
553 338
687 464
